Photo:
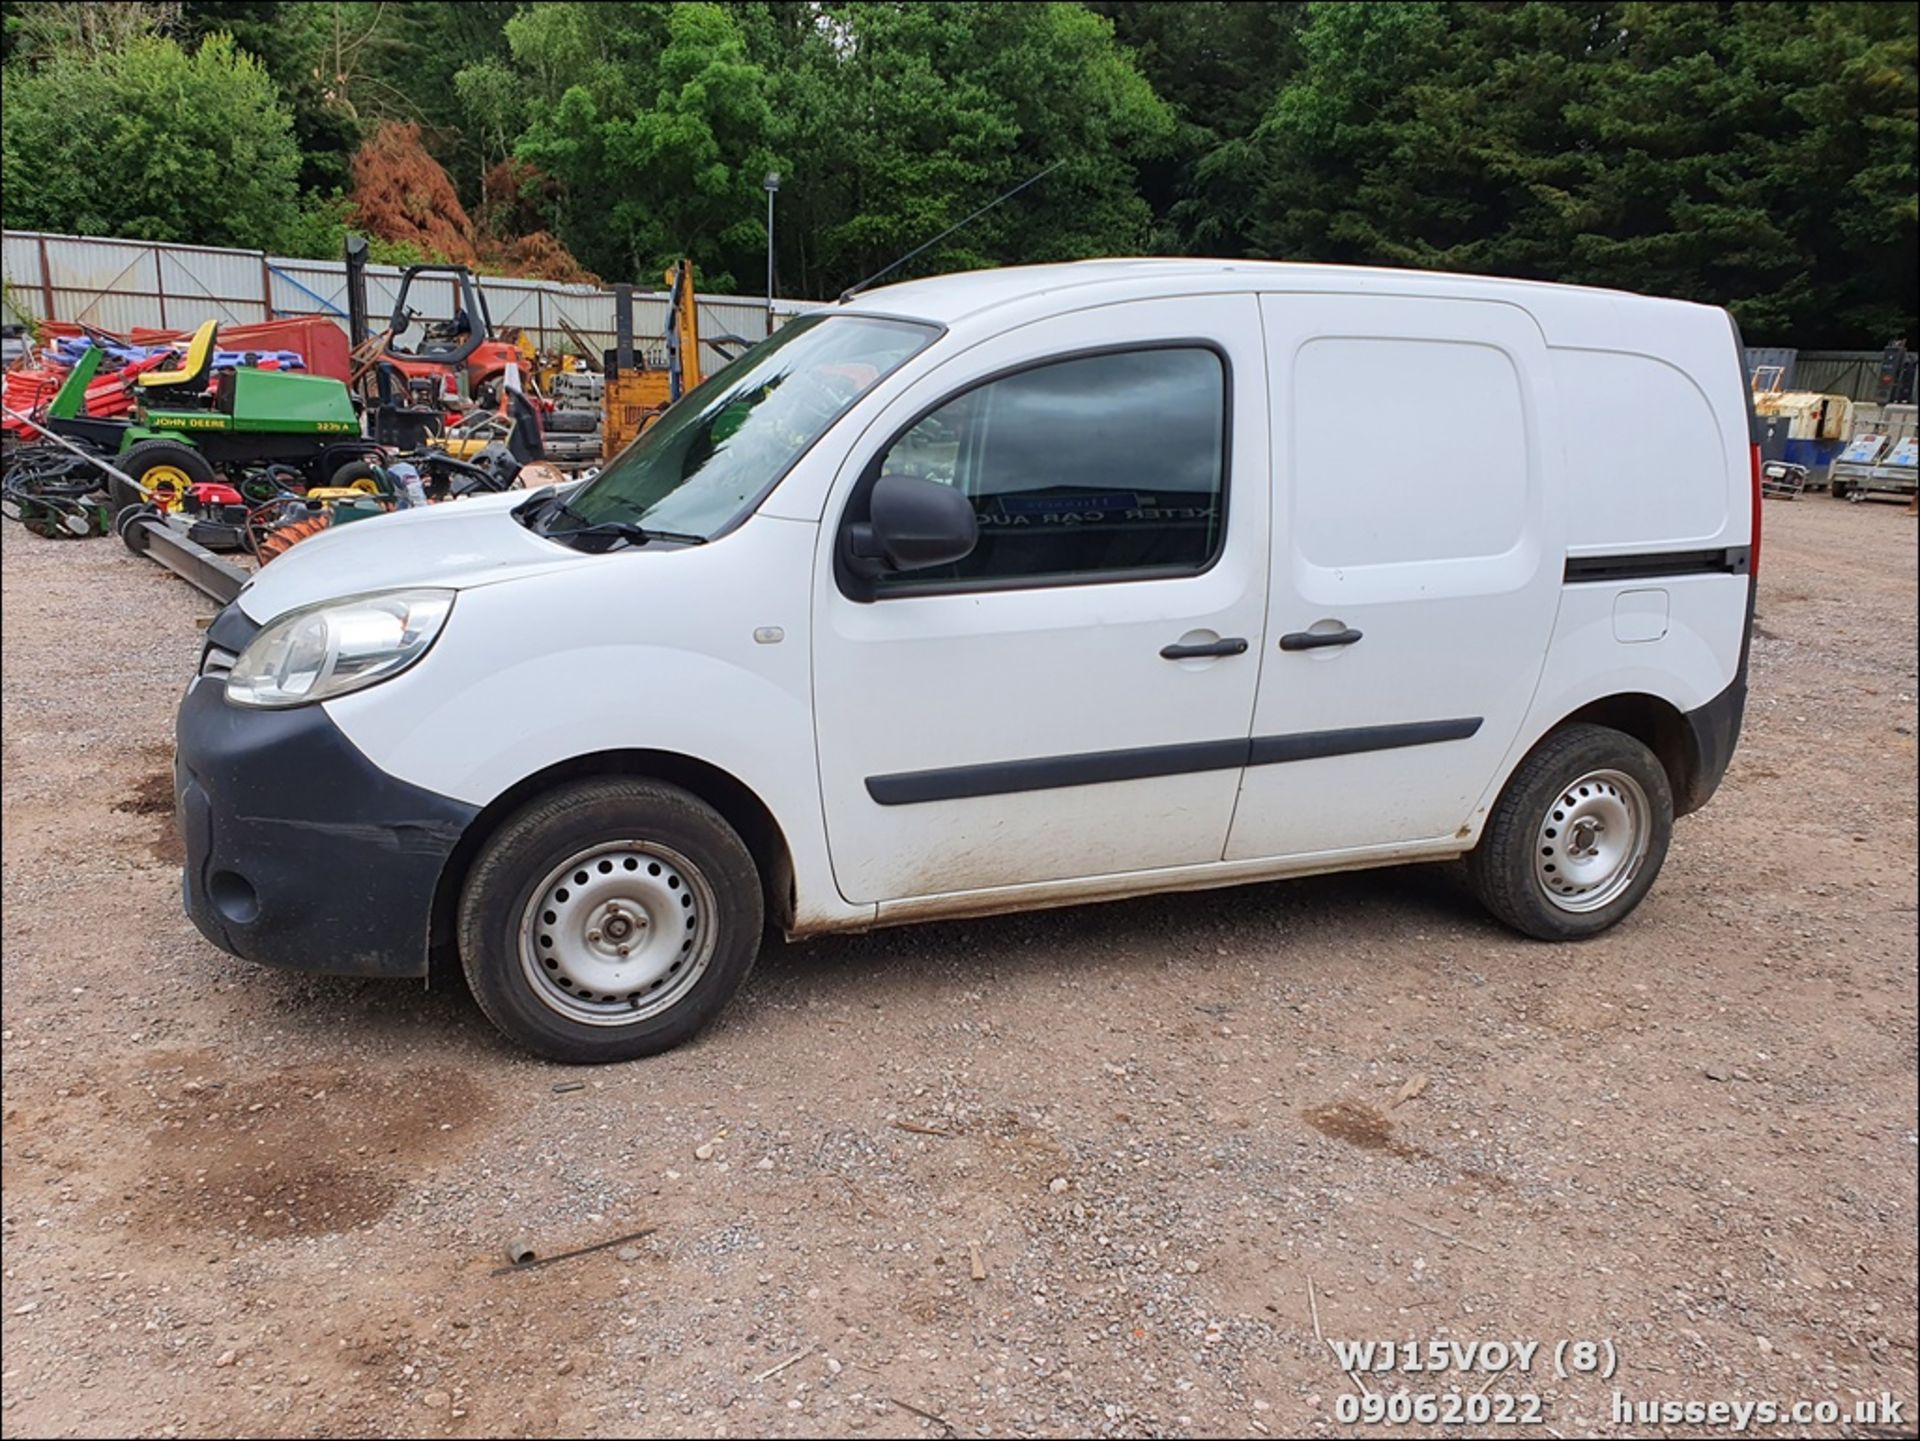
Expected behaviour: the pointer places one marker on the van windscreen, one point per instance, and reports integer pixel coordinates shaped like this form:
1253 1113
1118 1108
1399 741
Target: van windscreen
713 455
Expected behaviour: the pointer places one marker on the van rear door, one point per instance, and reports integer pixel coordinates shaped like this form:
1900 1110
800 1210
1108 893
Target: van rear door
1419 539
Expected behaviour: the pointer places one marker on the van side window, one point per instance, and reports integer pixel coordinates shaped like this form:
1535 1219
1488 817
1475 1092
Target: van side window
1099 467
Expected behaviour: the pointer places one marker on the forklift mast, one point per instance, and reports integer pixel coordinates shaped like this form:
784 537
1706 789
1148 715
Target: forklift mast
357 330
683 331
634 394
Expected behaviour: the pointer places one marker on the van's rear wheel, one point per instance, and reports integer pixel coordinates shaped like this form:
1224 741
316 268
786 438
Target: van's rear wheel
609 920
1577 837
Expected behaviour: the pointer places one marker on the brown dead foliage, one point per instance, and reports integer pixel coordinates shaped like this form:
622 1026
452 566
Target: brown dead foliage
402 194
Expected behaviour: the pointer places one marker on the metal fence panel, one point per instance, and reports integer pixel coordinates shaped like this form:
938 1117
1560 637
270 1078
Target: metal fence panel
196 286
1852 373
518 307
111 310
20 261
309 287
120 284
1759 356
109 284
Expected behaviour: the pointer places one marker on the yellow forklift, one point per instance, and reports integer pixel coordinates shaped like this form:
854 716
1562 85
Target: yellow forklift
636 391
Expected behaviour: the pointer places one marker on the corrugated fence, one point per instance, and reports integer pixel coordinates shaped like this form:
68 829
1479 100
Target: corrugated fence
1852 373
119 284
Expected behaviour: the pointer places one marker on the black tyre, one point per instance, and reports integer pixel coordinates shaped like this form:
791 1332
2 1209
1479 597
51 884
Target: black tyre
1577 837
609 920
359 475
1839 489
572 422
164 466
131 535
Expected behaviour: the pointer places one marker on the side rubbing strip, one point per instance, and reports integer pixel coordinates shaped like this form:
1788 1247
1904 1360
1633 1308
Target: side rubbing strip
1312 745
1652 565
999 778
1097 767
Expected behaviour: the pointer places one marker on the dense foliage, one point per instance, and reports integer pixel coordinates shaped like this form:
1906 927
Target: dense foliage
1759 155
148 140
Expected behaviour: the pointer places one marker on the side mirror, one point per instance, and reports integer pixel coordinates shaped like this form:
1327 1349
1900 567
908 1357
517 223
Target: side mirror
911 524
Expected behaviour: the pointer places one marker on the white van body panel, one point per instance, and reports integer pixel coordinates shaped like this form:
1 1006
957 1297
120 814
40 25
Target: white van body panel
472 543
551 655
635 650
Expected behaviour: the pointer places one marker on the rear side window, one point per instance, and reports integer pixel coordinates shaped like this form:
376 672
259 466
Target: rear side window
1099 467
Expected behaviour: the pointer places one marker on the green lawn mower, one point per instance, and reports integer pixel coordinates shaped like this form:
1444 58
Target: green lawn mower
185 434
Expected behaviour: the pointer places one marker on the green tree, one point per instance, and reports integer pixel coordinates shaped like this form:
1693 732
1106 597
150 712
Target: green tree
902 119
345 65
435 41
654 120
152 142
1758 156
1763 160
37 30
1218 64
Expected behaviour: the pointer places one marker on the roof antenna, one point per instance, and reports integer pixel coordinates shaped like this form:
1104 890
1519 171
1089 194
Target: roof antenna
855 289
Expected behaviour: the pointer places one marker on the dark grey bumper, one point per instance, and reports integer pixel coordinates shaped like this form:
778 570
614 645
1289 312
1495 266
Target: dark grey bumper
1712 733
300 852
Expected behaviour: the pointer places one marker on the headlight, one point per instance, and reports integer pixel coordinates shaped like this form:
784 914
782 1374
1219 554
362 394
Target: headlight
325 650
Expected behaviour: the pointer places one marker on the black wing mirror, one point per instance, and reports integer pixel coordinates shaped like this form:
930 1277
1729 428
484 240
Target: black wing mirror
911 524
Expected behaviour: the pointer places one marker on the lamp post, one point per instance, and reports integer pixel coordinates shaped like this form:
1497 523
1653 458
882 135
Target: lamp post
772 186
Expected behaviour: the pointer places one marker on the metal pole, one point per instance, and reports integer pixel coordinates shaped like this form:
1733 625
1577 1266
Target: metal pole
85 455
772 185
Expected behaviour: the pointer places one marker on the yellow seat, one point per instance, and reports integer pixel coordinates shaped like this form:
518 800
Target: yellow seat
193 370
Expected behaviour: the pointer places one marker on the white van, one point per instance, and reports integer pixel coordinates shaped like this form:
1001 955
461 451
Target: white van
1012 589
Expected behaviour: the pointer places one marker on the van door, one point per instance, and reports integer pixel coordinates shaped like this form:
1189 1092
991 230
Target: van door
1072 699
1419 545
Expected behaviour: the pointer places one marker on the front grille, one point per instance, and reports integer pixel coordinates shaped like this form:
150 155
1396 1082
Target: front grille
217 662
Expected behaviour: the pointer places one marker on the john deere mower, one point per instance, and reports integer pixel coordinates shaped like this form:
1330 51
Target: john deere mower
192 425
236 460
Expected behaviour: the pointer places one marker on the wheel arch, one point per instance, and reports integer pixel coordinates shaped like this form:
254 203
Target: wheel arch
736 802
1657 724
139 435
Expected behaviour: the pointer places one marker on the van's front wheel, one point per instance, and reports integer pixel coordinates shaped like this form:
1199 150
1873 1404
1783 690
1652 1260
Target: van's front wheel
1577 837
609 920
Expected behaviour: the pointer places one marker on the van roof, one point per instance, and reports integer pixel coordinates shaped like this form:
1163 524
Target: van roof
948 298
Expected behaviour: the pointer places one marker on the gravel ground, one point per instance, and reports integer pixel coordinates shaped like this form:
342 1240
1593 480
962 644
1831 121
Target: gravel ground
1084 1172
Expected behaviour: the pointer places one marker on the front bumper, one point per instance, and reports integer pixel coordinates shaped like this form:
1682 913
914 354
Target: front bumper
301 852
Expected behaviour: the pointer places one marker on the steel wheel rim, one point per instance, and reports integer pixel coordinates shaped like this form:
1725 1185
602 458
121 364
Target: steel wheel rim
1592 841
639 895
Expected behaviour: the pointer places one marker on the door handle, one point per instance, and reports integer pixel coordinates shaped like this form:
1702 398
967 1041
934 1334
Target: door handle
1232 645
1316 640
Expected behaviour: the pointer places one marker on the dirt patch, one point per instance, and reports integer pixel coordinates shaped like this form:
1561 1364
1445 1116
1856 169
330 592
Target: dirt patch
402 194
154 797
150 797
297 1152
1359 1125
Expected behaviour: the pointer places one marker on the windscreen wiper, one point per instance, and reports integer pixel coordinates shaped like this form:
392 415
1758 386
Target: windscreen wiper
625 530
